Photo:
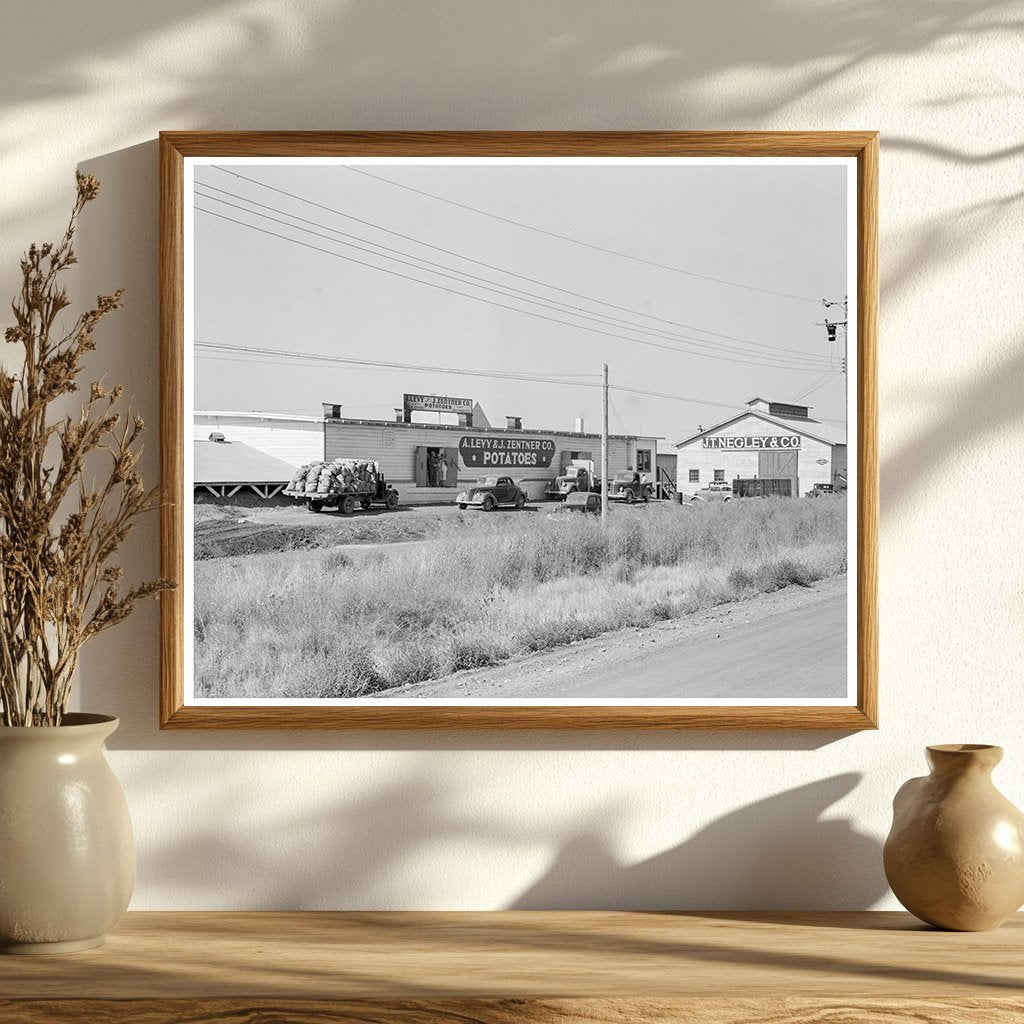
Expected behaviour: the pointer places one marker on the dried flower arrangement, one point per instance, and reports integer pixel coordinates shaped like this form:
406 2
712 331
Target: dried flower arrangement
58 533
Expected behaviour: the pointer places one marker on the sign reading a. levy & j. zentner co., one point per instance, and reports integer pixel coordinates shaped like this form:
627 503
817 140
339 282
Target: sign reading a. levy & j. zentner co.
759 444
437 403
497 452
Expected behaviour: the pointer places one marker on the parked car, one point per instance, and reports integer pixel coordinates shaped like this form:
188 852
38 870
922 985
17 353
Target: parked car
579 502
819 489
717 490
491 492
629 486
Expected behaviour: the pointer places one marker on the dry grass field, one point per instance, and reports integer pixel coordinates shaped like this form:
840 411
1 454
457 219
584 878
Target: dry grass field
346 623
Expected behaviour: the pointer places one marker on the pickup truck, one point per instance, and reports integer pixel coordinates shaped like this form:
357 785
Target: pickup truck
629 486
578 478
343 484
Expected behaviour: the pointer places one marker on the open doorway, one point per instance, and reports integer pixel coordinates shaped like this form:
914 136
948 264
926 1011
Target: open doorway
437 466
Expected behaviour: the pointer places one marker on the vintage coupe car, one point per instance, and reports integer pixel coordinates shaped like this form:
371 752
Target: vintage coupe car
490 492
717 490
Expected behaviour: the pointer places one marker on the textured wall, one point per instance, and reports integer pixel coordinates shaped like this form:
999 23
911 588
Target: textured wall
700 820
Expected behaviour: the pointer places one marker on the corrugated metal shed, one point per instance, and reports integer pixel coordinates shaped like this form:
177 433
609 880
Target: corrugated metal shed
232 462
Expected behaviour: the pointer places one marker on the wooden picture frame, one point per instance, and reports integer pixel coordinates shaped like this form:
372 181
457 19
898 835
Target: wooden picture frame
178 147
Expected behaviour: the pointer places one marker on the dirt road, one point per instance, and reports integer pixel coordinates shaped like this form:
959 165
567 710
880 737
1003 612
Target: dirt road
788 644
225 531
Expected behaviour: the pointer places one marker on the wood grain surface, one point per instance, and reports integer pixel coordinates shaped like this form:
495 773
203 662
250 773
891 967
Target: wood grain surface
516 1011
176 146
524 966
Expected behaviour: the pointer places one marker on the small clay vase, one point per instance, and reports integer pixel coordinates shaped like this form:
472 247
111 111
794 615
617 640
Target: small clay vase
67 858
955 854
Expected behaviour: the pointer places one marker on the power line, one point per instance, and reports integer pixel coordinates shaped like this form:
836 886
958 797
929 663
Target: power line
477 298
462 256
701 401
318 357
618 417
814 385
676 398
241 351
786 356
295 358
686 341
577 241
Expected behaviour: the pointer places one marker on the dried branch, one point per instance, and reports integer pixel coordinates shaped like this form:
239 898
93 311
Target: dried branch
58 584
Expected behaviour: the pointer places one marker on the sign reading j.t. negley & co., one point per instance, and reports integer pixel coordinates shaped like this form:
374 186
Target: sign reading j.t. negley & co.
496 452
765 443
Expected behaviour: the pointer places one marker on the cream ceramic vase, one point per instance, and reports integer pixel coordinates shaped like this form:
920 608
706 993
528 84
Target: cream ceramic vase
955 855
67 856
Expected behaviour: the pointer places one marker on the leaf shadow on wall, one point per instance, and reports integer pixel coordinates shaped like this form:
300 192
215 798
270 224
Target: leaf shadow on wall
960 415
777 853
403 843
373 65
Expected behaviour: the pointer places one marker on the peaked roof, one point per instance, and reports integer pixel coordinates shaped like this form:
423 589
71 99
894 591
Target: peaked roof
828 433
232 462
479 416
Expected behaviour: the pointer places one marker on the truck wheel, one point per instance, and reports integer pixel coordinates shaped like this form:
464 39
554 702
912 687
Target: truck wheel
520 500
462 506
315 506
488 504
630 497
392 500
348 505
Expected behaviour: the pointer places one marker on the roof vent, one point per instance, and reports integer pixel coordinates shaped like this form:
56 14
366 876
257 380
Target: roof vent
218 438
513 422
788 411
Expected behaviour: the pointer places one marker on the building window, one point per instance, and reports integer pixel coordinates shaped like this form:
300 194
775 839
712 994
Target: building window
643 460
719 476
694 476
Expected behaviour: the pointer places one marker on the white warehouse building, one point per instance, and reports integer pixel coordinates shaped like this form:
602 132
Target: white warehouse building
767 440
293 439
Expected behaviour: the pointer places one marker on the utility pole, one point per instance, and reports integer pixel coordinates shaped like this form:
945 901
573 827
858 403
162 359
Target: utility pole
831 326
604 450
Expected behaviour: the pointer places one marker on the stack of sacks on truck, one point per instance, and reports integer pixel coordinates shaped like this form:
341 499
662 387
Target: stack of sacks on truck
336 476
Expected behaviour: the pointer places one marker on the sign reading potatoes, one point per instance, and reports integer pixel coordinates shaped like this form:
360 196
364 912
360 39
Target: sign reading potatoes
506 452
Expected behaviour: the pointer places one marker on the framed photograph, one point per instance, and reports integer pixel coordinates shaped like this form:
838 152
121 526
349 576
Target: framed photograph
519 430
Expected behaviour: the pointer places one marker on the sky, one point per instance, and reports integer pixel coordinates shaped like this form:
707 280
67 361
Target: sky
543 299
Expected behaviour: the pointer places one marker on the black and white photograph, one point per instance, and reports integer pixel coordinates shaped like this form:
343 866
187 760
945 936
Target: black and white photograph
521 431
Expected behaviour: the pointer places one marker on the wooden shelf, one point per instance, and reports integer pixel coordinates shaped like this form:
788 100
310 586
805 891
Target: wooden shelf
424 968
